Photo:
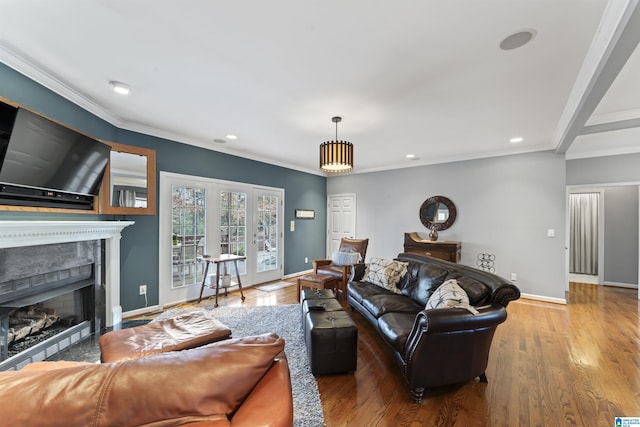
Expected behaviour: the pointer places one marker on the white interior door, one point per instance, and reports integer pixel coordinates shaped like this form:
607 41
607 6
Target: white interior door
341 218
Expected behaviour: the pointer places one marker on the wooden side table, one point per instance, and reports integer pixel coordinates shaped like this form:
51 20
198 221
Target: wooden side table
318 281
222 259
446 250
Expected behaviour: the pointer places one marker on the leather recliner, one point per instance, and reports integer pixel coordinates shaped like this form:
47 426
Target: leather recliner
236 382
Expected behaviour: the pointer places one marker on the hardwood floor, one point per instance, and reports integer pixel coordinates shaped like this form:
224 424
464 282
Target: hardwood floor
550 365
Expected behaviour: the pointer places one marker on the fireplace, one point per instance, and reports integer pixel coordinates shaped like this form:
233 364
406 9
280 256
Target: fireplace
69 269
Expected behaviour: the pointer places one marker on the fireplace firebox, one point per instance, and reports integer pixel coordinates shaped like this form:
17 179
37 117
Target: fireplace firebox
48 288
59 284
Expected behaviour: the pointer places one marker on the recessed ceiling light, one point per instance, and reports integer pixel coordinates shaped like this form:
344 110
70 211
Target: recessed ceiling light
232 137
410 156
516 139
516 40
121 88
219 141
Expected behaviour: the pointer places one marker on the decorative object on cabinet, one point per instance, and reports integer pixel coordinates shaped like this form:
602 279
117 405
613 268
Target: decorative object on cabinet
438 212
433 234
129 184
448 251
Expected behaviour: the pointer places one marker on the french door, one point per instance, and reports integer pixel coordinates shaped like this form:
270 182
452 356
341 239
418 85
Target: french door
267 235
201 216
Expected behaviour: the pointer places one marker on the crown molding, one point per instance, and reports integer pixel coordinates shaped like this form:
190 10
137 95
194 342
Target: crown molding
31 69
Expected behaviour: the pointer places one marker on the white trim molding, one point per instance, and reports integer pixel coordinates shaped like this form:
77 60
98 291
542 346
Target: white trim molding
32 233
544 299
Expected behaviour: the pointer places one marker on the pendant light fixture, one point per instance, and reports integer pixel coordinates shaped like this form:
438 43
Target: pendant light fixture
336 156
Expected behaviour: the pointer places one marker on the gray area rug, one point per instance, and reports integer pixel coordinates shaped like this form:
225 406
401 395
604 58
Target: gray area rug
285 321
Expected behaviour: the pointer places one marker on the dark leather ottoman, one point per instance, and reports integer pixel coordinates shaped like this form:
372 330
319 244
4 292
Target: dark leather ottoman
316 294
315 305
331 339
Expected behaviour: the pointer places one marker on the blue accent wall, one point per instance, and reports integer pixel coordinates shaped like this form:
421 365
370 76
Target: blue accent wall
139 244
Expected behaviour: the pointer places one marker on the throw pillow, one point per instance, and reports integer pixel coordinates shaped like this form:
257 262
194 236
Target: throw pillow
386 273
345 258
450 295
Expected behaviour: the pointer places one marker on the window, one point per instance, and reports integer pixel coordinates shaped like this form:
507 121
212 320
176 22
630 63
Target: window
188 217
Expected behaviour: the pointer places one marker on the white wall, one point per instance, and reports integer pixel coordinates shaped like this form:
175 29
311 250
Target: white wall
505 206
621 235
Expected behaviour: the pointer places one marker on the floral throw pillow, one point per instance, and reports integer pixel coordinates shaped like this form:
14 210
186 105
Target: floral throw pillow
450 295
386 273
345 258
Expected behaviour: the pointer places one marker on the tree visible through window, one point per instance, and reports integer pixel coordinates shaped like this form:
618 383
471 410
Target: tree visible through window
233 225
267 233
188 227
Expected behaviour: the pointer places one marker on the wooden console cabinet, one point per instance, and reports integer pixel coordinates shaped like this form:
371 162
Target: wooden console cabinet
448 251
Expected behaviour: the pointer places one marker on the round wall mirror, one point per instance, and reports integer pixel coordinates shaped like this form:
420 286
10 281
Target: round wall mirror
437 212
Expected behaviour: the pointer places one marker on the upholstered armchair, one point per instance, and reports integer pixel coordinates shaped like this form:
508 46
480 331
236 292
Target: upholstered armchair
339 265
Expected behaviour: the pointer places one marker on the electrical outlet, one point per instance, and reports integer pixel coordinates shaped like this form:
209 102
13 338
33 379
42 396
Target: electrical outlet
143 289
306 260
514 277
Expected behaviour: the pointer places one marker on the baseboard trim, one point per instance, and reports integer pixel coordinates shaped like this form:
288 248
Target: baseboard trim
621 285
544 299
300 273
140 311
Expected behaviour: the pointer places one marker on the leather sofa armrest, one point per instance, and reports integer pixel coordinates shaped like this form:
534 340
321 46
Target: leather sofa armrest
505 293
444 320
319 263
270 403
357 272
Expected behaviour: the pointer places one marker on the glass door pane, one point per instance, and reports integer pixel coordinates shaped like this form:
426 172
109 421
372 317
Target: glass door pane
267 233
188 226
233 226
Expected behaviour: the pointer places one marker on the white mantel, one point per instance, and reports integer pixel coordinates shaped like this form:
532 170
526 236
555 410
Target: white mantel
31 233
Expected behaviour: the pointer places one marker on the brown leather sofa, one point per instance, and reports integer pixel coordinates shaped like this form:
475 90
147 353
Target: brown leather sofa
236 382
434 347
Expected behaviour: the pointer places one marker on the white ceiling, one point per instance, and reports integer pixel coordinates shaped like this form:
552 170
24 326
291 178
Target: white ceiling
423 77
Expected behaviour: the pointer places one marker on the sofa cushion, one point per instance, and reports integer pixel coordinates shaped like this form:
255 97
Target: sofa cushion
387 303
395 328
478 292
450 295
331 270
360 291
345 258
429 277
386 273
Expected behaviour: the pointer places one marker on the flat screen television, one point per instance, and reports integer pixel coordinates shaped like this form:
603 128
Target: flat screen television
42 155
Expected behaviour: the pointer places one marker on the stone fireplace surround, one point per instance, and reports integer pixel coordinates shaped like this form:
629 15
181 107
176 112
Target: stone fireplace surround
33 233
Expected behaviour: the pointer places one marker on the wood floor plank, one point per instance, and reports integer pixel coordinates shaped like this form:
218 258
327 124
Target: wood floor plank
550 365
